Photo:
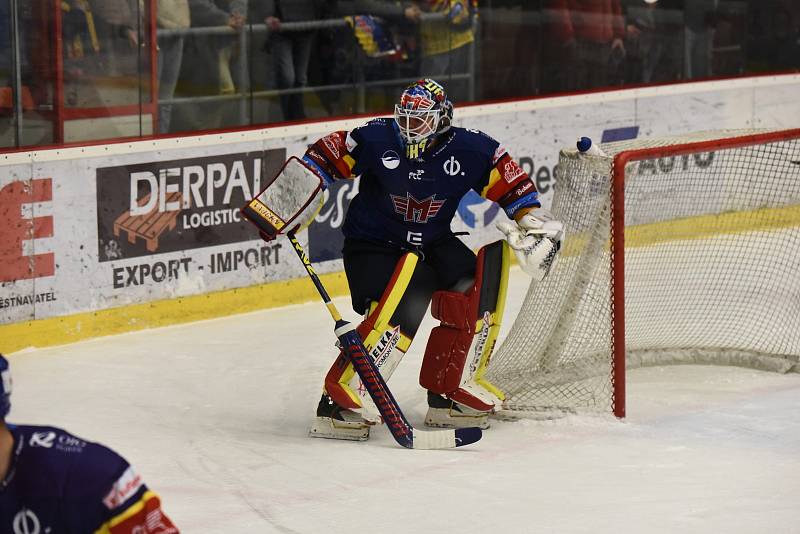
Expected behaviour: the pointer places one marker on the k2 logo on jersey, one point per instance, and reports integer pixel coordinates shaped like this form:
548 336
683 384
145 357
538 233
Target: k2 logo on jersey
43 439
414 210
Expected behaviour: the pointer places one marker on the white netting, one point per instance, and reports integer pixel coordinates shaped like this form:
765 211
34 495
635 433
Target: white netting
712 272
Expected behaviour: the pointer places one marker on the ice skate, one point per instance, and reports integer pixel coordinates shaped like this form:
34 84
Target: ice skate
446 413
334 422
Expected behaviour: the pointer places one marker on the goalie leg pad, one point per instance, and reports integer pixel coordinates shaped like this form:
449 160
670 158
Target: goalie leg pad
387 332
456 358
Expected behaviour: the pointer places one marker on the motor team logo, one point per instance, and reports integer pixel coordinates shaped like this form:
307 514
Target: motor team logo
418 211
177 205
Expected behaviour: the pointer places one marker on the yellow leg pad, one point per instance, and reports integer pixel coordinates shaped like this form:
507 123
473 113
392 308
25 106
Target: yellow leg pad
382 339
488 348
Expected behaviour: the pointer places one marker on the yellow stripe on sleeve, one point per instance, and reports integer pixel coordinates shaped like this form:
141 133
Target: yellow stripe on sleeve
494 177
127 513
348 159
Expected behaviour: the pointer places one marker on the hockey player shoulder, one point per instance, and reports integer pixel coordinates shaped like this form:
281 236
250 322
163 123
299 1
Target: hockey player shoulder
476 137
380 121
477 133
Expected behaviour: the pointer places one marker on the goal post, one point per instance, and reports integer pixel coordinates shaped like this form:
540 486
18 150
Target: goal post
677 250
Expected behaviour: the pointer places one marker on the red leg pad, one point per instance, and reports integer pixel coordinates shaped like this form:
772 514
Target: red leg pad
464 397
448 344
444 359
453 309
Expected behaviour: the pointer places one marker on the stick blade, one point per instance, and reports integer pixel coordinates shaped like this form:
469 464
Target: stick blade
467 436
446 439
405 434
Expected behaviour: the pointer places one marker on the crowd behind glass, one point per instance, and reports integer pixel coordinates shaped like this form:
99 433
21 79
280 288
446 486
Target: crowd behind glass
230 63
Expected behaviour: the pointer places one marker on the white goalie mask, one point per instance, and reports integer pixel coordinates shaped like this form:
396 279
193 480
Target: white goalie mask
420 111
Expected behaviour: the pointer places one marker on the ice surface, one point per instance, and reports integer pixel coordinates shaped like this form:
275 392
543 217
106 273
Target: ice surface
215 416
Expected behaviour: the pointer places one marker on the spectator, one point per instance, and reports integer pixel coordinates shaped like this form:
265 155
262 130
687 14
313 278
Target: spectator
208 58
700 16
774 35
219 48
652 40
558 47
171 15
595 28
101 42
123 18
445 43
120 30
395 25
291 50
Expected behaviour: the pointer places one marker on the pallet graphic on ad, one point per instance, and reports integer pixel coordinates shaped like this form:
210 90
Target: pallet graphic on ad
149 226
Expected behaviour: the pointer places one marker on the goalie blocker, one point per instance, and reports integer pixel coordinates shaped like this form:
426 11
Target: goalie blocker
290 201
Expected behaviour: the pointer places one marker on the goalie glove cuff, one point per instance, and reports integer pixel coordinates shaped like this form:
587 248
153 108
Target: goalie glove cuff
540 221
327 179
535 250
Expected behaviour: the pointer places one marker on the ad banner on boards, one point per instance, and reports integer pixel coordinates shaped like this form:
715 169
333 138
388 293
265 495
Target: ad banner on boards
179 205
87 230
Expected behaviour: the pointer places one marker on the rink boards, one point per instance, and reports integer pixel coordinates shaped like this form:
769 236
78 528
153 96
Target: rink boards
106 238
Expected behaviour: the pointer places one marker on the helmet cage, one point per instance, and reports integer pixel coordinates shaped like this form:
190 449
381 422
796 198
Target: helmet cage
417 125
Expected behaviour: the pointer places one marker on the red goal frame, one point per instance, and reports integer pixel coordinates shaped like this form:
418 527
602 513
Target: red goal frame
617 236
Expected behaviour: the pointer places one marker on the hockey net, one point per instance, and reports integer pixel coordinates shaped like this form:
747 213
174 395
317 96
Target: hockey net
678 250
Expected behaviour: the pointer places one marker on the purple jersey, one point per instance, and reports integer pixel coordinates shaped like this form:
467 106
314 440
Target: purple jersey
60 483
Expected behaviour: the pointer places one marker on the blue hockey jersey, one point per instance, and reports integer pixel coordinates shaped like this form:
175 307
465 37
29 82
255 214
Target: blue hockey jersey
59 483
413 201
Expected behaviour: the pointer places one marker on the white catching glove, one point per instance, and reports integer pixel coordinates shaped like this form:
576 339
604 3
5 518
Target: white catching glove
535 240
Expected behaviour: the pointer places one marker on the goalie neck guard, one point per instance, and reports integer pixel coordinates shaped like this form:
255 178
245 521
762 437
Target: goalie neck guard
422 113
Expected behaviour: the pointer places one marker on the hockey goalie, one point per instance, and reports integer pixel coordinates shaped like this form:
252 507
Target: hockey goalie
400 255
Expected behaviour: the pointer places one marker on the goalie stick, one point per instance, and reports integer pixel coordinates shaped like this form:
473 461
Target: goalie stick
353 347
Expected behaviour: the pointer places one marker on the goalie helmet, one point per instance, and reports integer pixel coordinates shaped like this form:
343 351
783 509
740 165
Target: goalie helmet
5 388
422 113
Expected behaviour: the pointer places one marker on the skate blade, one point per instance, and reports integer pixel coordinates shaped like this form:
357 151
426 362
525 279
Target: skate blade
447 418
325 427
